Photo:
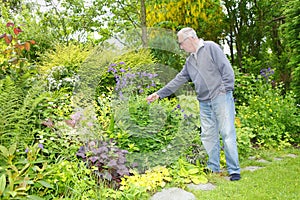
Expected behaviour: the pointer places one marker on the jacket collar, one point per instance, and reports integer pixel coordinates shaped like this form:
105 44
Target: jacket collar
200 44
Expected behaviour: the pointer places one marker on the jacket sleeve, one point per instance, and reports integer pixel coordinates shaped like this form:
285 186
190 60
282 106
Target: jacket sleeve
224 66
181 78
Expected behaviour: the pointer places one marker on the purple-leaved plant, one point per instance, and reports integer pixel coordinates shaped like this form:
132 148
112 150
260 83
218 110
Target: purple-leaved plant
109 160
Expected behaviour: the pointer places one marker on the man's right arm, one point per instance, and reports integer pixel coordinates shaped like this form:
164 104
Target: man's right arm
181 78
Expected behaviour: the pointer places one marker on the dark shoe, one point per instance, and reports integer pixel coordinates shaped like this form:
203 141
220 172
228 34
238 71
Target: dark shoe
235 177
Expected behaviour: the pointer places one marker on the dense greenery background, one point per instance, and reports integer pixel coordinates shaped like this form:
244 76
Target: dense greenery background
74 77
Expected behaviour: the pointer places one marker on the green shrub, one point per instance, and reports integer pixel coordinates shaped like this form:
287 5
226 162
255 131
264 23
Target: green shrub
70 56
23 172
272 119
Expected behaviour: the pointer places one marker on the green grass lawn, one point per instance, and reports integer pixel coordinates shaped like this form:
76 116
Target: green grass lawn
279 179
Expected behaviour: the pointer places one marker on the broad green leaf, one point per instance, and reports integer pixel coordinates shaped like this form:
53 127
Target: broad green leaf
4 151
2 183
12 149
34 197
199 179
45 184
183 172
193 171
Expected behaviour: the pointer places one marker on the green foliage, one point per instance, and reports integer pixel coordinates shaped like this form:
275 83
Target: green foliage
13 61
290 31
70 56
245 137
23 112
11 119
142 125
18 177
278 116
245 87
296 83
184 172
152 180
138 60
71 179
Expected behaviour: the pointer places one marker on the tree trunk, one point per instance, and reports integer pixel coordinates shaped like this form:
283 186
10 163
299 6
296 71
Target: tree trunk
143 24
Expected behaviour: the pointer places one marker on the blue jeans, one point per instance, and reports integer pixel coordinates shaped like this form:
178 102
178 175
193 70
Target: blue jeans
217 117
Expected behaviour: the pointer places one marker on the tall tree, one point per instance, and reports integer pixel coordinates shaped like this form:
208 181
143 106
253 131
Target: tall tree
253 28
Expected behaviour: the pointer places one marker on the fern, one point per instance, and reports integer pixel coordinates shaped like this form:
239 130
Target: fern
18 115
10 100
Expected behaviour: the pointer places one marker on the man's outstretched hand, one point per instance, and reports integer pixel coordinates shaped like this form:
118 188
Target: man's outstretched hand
152 97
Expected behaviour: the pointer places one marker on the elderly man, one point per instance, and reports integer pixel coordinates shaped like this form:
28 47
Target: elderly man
213 77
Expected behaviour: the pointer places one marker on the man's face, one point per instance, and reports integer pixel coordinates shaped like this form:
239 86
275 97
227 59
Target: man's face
185 43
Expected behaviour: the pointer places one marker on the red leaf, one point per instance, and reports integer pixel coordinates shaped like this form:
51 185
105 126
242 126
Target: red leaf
10 24
17 30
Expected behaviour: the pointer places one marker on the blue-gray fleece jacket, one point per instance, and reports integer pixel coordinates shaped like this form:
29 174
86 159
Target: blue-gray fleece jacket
211 73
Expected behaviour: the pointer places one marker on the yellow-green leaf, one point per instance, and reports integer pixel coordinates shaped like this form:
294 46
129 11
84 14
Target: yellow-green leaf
12 149
199 179
2 183
193 171
4 151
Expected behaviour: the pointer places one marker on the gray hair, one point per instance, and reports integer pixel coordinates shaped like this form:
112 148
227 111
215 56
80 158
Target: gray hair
187 32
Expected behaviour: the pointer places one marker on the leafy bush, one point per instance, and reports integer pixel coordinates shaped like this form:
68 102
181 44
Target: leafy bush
70 179
70 56
273 119
13 61
138 128
245 87
21 174
183 172
138 60
141 126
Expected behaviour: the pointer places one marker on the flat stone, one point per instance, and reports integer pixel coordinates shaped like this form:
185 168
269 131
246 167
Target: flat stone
278 159
207 186
252 158
252 168
173 194
262 161
291 155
